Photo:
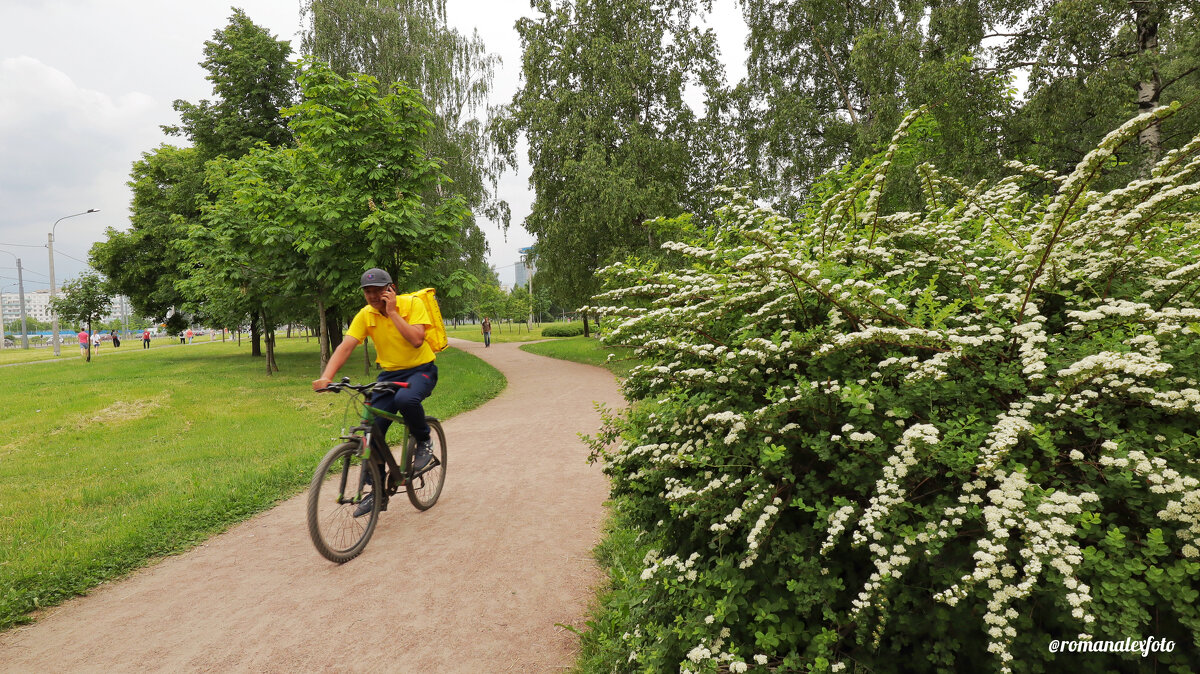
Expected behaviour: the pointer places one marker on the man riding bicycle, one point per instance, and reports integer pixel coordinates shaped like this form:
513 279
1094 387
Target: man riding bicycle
400 349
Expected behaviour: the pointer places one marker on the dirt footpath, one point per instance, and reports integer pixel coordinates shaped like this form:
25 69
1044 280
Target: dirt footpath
475 584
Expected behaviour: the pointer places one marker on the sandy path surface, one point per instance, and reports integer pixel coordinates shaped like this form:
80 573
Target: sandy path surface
475 584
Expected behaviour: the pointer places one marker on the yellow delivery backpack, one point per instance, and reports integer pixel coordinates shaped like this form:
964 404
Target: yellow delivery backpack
435 335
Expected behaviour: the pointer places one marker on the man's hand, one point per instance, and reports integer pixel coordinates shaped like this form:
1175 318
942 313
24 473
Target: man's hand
389 301
321 384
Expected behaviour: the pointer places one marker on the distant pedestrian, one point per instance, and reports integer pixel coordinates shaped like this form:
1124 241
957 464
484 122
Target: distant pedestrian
95 344
146 338
487 331
190 334
85 344
116 340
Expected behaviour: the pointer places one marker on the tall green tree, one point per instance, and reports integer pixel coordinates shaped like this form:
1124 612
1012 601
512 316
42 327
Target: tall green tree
611 138
299 225
409 42
252 81
84 301
145 262
827 81
1092 66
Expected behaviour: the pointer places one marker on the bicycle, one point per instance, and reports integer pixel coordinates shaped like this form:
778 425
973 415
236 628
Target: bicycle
337 534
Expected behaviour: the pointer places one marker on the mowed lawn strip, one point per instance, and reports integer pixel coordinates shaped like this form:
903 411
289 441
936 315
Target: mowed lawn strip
507 332
587 350
106 465
69 349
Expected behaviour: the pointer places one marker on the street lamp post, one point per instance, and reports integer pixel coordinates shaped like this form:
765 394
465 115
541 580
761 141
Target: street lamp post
50 245
21 298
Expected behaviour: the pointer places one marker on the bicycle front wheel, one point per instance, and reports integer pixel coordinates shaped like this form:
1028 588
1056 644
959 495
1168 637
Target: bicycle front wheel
343 480
425 487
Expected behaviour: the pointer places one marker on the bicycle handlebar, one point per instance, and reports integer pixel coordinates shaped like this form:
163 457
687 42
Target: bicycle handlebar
345 385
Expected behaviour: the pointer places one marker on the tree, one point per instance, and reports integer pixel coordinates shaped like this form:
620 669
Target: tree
145 262
84 301
610 136
294 225
252 81
408 42
827 81
1093 67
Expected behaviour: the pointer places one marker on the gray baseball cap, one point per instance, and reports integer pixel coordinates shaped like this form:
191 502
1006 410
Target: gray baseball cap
375 277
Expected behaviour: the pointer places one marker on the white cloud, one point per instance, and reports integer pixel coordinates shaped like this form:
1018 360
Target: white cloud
66 149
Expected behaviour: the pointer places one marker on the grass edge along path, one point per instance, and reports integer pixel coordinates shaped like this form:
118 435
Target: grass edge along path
107 466
587 350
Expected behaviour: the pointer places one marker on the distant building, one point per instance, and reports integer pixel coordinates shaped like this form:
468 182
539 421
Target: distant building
37 307
523 269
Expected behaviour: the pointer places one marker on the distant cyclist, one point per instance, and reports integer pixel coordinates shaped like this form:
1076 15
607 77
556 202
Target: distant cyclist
400 348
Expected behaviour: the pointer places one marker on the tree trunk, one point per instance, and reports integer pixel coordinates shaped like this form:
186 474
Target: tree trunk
333 325
89 349
587 332
1148 91
255 334
322 334
268 332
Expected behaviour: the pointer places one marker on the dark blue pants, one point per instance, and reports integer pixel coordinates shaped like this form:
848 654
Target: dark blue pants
487 339
406 401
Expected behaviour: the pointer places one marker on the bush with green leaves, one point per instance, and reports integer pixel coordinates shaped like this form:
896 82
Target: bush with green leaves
916 441
562 330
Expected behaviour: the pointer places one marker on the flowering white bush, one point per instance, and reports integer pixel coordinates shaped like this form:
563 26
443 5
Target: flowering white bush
918 441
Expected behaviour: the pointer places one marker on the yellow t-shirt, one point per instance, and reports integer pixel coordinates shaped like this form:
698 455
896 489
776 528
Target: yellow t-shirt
392 350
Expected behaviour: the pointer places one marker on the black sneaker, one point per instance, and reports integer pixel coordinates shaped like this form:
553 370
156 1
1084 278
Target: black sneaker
364 506
368 502
423 456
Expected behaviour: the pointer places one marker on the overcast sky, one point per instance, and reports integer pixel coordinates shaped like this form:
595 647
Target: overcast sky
86 84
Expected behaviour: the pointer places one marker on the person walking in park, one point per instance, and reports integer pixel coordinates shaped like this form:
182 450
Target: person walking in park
85 343
190 334
486 325
116 339
146 338
95 344
398 329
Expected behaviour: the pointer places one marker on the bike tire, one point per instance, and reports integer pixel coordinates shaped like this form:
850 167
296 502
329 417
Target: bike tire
335 532
424 489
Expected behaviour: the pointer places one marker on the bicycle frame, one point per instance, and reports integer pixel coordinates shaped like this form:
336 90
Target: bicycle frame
368 416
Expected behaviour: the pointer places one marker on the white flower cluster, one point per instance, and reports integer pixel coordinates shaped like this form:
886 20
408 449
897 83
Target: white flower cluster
1183 505
889 489
837 524
752 540
1047 541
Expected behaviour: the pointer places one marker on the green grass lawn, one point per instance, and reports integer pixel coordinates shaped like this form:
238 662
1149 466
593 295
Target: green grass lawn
507 332
105 465
587 350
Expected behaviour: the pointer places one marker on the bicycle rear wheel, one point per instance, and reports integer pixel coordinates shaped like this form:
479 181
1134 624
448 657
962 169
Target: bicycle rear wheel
425 488
342 480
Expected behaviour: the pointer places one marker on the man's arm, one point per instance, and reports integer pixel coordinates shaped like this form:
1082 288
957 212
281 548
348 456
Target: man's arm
339 357
414 334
